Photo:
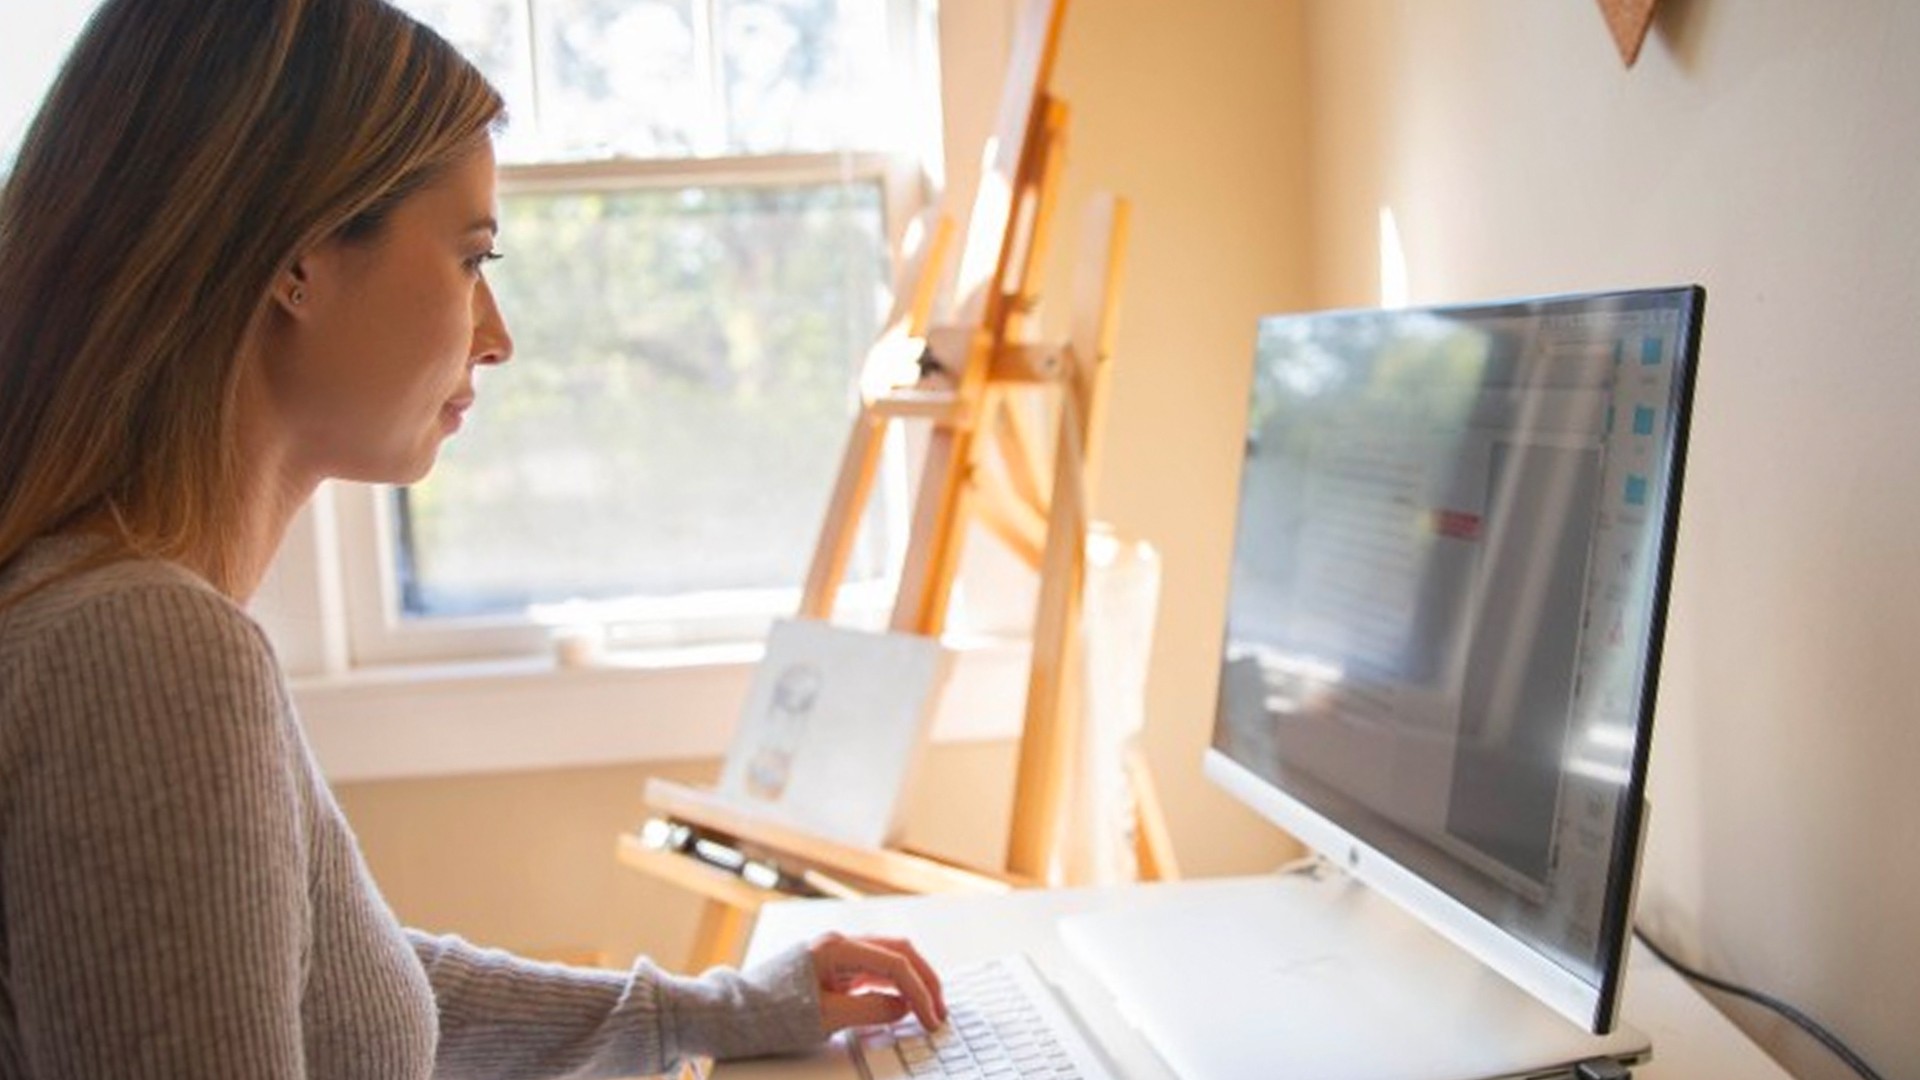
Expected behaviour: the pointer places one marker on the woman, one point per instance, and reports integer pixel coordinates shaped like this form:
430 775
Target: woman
241 251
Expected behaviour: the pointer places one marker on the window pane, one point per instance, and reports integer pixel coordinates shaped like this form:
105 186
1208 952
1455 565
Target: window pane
805 74
622 78
682 78
679 399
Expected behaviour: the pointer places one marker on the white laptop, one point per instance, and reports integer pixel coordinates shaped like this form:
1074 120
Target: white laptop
1220 1000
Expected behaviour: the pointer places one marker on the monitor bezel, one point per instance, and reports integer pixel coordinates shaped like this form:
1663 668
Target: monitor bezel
1594 1007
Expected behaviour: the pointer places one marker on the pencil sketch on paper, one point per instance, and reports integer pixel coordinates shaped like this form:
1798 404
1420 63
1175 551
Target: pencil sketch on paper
834 725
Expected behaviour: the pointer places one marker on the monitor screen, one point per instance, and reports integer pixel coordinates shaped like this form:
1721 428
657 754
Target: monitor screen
1455 531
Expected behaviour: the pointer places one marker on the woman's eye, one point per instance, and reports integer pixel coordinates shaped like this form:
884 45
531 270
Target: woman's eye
475 263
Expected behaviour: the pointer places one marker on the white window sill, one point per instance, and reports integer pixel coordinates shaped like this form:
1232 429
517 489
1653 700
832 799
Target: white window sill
656 705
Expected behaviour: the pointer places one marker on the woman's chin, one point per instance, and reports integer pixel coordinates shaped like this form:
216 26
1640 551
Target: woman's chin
418 470
410 470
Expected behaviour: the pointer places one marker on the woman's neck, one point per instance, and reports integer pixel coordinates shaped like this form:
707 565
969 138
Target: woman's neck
270 499
274 485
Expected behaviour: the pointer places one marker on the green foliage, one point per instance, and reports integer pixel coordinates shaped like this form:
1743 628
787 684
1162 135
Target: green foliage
678 401
685 357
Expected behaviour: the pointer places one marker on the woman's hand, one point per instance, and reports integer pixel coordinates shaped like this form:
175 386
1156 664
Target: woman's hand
874 980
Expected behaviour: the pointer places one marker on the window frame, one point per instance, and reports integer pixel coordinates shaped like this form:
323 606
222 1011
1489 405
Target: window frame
330 602
377 631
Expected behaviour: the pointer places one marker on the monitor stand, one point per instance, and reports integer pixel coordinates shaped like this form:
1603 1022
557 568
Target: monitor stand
1312 974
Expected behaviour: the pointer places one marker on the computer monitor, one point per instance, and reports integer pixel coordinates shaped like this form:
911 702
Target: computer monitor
1455 533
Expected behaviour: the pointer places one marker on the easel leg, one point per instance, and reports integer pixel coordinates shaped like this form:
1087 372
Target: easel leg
934 550
1052 724
842 525
722 931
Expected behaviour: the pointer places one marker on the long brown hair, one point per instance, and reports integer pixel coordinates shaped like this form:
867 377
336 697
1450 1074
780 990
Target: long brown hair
187 152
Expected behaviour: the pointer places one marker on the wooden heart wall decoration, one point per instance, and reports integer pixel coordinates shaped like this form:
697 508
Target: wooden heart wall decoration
1629 20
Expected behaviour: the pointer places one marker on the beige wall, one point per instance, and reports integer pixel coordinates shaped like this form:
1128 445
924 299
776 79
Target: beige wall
1767 149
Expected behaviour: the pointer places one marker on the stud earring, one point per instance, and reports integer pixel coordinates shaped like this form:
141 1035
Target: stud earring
297 297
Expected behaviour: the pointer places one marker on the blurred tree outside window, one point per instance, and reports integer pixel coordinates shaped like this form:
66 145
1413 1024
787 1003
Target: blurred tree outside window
695 212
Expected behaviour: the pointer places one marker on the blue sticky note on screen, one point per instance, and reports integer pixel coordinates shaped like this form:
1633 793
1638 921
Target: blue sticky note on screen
1636 491
1642 420
1651 350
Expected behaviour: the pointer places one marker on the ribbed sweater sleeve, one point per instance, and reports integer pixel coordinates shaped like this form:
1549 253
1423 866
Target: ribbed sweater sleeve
181 897
502 1016
152 859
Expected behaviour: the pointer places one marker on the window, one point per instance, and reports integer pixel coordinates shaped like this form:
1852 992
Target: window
697 200
37 38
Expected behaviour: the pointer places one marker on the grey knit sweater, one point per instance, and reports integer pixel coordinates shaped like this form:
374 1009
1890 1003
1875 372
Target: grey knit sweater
181 897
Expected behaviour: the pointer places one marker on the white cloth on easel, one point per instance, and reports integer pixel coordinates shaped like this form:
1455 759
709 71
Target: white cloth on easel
1119 605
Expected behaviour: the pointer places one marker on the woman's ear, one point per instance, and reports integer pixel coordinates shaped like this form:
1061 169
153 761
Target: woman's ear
293 289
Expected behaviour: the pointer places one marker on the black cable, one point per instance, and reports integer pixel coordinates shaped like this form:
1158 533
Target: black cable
1806 1023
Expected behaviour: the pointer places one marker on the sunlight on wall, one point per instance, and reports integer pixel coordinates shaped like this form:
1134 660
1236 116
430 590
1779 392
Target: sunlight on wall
1393 262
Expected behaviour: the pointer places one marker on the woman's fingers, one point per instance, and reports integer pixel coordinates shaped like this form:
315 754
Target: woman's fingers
890 970
905 948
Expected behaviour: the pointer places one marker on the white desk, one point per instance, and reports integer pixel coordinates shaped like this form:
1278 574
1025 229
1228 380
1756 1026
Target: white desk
1691 1040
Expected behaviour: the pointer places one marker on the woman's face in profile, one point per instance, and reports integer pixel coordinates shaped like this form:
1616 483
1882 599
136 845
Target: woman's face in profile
378 368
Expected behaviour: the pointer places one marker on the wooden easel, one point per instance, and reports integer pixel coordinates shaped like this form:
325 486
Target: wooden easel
981 465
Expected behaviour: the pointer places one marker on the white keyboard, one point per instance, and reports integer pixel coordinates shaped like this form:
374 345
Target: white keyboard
1003 1023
